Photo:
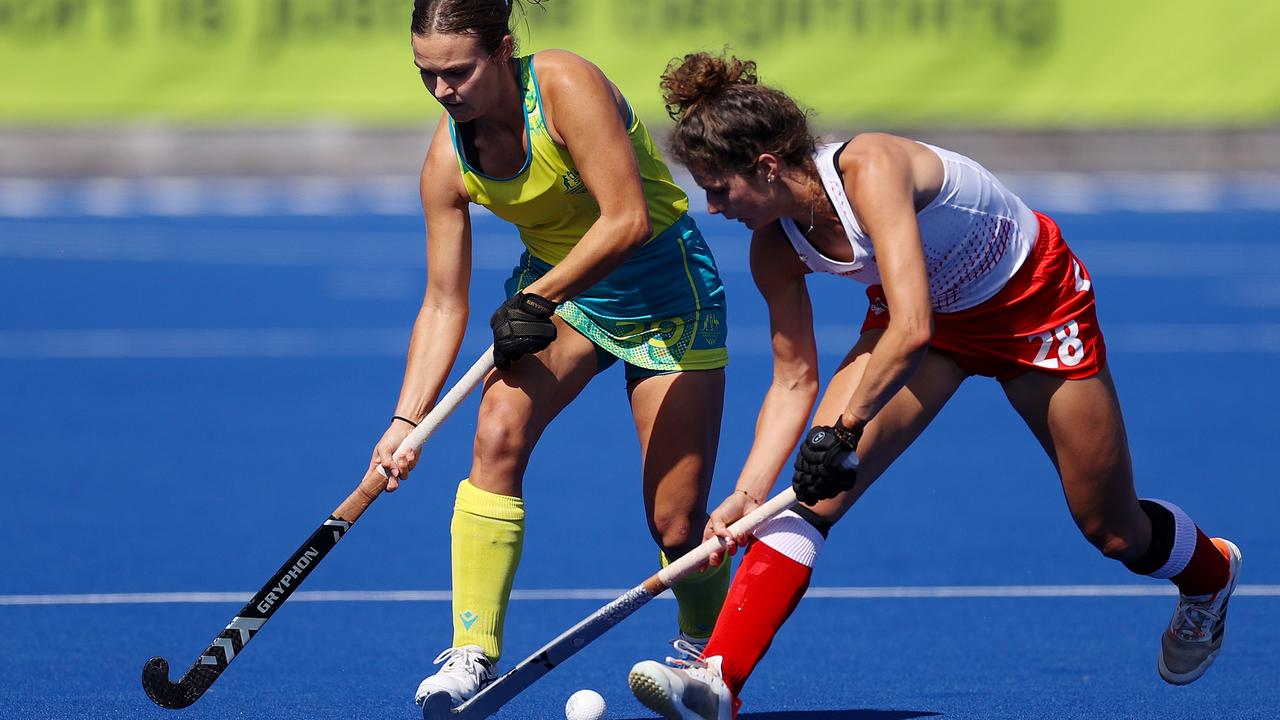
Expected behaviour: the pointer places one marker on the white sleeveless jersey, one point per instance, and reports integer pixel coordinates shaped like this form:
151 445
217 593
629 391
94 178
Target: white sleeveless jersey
976 233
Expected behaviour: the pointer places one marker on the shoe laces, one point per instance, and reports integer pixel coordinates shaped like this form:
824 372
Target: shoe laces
466 659
688 654
1193 620
689 648
691 660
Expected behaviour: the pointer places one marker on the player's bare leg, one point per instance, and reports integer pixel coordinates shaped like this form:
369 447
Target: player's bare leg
488 521
896 426
677 419
520 402
1080 426
1079 423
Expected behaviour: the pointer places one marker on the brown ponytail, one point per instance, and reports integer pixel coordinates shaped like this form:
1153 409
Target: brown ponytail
725 119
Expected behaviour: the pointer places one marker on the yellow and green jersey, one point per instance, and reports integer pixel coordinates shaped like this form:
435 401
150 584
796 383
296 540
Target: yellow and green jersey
546 199
662 310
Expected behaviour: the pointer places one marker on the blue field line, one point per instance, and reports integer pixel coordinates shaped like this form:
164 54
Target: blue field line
560 595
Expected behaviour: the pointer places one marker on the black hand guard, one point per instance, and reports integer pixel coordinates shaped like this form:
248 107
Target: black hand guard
521 325
819 470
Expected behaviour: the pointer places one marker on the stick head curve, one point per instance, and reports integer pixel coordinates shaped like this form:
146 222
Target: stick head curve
166 694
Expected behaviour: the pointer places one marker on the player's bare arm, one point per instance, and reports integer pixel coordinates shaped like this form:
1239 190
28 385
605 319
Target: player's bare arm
784 413
586 114
882 185
442 319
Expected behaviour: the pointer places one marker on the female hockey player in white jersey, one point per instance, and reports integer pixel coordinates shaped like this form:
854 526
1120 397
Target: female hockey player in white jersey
964 280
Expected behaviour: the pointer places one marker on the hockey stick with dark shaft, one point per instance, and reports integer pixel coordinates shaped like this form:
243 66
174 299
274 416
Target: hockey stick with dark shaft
231 641
534 667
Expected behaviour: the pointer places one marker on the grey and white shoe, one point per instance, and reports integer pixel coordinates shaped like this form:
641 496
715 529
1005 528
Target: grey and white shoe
1195 633
683 689
465 672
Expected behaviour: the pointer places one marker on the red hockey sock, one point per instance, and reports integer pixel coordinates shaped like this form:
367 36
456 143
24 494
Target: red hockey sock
764 593
1206 572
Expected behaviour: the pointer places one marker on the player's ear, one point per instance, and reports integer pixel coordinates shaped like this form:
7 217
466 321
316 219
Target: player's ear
767 167
506 50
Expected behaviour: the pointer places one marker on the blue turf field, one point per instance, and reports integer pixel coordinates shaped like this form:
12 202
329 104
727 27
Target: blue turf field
185 399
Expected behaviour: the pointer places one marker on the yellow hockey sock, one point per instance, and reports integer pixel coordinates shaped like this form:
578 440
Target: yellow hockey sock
700 596
488 534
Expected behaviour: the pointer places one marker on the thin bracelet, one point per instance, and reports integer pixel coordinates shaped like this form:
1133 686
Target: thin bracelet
749 496
398 417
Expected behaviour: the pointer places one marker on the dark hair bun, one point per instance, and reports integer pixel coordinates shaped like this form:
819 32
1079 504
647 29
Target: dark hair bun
699 75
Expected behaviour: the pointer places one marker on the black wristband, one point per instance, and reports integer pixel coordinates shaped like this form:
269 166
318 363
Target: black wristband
398 417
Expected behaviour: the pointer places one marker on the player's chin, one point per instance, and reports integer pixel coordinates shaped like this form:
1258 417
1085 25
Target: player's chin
460 112
755 222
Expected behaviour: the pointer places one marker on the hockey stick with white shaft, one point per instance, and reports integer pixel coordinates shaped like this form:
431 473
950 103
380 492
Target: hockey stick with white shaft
534 667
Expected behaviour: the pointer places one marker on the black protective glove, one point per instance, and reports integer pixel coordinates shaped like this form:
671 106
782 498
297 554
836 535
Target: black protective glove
521 325
827 463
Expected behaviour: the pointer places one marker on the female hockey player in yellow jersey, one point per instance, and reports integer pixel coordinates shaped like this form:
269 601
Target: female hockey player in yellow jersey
613 269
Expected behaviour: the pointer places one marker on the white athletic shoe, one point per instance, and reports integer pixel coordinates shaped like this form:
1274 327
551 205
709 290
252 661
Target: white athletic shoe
683 689
1195 634
466 671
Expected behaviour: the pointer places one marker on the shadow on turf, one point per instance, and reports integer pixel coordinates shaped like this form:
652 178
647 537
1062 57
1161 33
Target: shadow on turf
840 715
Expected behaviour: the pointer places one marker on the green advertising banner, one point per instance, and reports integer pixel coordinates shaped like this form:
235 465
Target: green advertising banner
973 63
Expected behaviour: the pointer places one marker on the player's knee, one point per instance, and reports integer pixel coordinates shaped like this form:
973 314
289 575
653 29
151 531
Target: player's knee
1112 542
676 534
500 432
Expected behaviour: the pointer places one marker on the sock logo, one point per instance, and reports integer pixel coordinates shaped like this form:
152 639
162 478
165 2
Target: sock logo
468 619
